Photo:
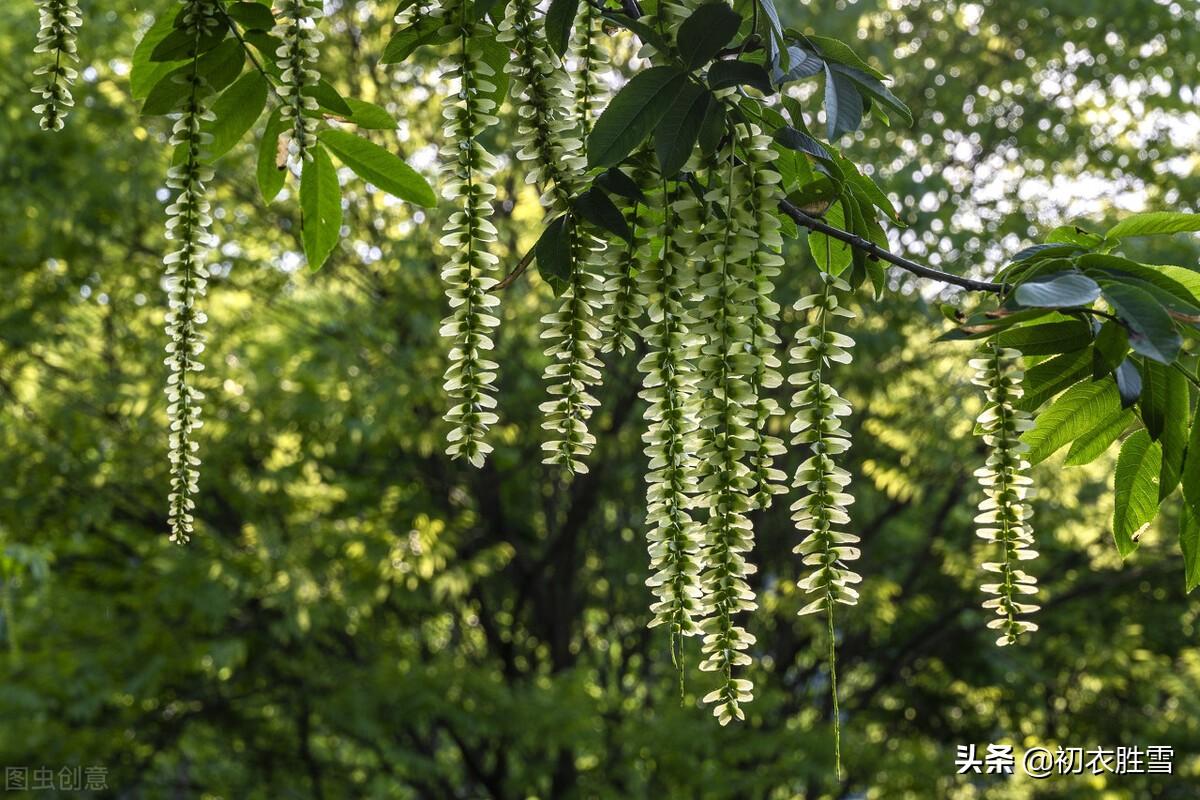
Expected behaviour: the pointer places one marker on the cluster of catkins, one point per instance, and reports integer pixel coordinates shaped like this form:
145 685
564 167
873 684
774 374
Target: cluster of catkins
694 284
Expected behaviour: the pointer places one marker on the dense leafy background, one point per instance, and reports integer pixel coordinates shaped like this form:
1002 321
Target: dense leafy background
359 617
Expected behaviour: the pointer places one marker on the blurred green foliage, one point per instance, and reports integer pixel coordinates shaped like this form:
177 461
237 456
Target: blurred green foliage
360 617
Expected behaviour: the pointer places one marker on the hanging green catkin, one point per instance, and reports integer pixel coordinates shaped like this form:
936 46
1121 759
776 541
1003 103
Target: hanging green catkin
624 300
470 380
726 416
823 509
668 386
59 28
760 186
296 58
188 221
590 60
1004 513
547 137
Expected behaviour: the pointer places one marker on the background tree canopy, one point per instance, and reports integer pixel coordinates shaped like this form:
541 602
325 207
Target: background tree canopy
359 616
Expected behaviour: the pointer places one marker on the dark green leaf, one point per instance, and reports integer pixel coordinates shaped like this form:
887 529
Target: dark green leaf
553 252
596 207
1191 469
1165 407
180 45
702 35
1048 339
632 114
560 18
1061 290
676 135
834 50
1151 331
1129 382
712 129
320 208
803 63
1136 499
252 15
725 74
379 166
617 182
843 105
794 139
874 89
271 171
1112 343
218 68
236 111
427 29
329 99
1189 547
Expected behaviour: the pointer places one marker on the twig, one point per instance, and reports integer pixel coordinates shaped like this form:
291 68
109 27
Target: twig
875 251
517 271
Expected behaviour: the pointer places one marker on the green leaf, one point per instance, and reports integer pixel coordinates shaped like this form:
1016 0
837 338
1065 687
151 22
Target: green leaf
632 114
1048 338
617 182
596 207
804 63
1154 222
369 116
270 172
267 47
676 135
560 18
1129 382
1078 410
1047 379
553 252
1136 499
1189 547
1151 331
320 207
375 164
702 35
252 15
800 141
831 255
1073 234
1111 345
427 29
712 129
236 111
1191 470
181 45
328 97
1165 407
144 73
726 74
218 67
874 89
496 55
843 105
1061 290
1093 444
834 50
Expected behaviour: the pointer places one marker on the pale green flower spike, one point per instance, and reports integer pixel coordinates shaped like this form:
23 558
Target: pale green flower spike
547 137
668 387
296 58
761 190
188 221
823 509
590 60
726 415
624 302
470 380
1004 513
59 26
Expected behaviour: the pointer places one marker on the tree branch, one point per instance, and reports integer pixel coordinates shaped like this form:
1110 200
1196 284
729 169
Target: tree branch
875 251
